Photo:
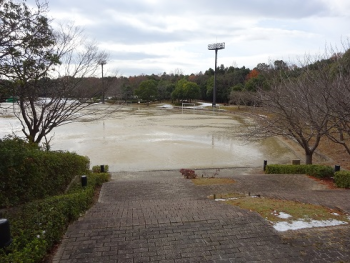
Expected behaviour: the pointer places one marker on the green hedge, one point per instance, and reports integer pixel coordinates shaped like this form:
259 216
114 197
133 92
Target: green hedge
38 225
28 173
342 179
319 171
97 168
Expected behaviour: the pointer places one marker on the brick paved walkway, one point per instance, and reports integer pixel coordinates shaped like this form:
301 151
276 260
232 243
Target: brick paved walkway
160 217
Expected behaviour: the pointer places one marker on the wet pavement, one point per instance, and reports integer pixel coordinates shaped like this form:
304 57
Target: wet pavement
158 216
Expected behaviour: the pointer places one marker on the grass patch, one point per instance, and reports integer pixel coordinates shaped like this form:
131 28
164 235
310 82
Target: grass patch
270 209
212 181
234 108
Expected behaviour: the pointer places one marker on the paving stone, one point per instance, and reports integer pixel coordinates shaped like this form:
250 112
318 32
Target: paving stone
158 216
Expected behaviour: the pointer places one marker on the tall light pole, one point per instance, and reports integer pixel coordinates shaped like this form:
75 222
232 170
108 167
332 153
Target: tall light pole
216 47
102 62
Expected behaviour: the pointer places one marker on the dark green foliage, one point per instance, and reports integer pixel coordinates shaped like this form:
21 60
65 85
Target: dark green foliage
147 90
319 171
27 173
37 226
342 179
97 168
186 90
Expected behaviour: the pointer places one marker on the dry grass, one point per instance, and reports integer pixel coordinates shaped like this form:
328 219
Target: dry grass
270 208
336 152
212 181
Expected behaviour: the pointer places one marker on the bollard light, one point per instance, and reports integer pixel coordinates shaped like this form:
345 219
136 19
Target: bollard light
83 181
265 164
336 168
5 234
102 168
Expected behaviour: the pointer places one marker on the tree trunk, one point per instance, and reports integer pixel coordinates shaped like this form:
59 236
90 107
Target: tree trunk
308 158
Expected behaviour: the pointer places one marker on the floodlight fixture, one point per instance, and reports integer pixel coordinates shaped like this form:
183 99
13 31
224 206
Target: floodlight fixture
216 47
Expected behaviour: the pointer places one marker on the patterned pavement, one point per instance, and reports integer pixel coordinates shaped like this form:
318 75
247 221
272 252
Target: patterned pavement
158 216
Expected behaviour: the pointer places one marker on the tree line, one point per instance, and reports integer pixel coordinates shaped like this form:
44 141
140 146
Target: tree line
177 86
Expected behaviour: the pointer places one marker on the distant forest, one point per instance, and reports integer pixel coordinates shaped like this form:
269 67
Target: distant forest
233 83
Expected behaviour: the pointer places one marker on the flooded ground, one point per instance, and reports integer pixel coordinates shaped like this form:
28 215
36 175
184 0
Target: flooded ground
148 138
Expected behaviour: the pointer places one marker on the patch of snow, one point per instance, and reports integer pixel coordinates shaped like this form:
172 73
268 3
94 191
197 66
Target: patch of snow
166 106
225 199
300 224
205 104
335 214
283 215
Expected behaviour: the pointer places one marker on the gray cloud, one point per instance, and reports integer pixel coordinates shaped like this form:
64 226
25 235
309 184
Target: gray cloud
119 55
164 35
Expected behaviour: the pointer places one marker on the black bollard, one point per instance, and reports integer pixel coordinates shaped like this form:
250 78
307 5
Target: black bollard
102 168
83 181
5 237
336 168
265 164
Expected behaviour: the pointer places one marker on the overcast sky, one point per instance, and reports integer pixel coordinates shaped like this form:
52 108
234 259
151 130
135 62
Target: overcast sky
156 36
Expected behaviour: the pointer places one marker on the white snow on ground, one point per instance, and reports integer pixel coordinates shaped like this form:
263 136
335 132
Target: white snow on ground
223 200
299 224
205 104
166 106
283 215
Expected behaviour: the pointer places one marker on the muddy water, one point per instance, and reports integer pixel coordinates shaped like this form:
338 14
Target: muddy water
148 138
137 139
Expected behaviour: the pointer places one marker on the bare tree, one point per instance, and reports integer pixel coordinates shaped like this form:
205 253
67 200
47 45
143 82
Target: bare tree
340 100
47 69
243 98
296 105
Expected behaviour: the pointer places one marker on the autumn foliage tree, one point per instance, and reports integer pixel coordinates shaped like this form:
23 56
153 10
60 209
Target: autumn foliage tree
252 74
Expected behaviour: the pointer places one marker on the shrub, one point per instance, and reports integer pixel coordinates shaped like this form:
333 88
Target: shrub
188 173
319 171
342 179
97 168
38 225
28 173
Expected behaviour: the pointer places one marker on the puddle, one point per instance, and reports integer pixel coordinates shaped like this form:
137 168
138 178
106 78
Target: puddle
148 138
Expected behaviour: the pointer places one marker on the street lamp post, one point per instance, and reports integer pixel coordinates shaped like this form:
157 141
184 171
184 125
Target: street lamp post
216 47
102 62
